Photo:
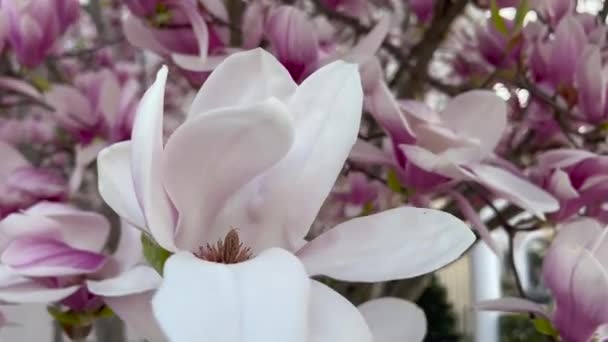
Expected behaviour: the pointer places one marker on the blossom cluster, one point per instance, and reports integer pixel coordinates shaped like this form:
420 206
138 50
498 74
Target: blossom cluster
242 170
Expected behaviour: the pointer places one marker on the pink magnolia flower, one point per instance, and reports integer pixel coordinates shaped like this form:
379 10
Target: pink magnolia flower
234 191
99 106
292 36
423 9
432 151
574 270
22 184
53 253
577 178
35 25
177 30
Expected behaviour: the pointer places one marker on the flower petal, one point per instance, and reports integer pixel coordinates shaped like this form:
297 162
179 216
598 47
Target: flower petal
477 114
136 311
515 189
201 32
333 318
251 77
263 299
42 257
212 156
146 163
116 183
511 304
17 289
11 159
395 244
394 320
136 280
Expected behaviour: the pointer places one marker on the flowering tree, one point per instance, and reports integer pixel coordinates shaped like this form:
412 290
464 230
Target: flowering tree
243 170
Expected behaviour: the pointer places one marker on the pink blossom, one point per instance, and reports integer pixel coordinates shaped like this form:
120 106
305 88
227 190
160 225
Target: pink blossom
250 201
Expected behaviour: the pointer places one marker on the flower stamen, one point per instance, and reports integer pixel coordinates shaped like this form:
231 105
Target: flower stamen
228 251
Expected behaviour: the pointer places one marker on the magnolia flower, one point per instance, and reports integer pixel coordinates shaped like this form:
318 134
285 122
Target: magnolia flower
22 184
574 270
577 178
177 30
99 106
432 149
234 191
53 253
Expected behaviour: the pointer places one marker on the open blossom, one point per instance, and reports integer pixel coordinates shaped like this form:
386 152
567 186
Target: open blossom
22 184
234 191
577 178
54 253
574 270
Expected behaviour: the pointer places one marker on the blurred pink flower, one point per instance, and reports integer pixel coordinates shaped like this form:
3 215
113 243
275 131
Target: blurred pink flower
240 229
22 185
574 270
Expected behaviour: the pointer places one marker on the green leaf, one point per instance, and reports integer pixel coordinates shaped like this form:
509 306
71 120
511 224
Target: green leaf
545 327
154 254
522 11
497 19
393 182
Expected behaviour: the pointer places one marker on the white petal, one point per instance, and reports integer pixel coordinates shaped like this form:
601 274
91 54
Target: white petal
243 78
395 244
136 280
333 318
146 163
263 299
17 289
115 183
477 114
394 320
515 189
212 156
136 311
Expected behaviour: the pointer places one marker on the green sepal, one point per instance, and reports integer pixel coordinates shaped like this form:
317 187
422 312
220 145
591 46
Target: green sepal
154 253
545 327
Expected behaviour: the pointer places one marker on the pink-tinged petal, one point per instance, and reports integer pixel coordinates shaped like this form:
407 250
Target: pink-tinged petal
263 299
367 153
80 229
17 289
20 87
566 50
146 163
384 108
11 160
201 32
586 306
560 185
441 164
136 311
473 217
515 189
478 114
367 47
212 156
85 155
327 109
252 77
139 279
394 320
140 36
419 112
591 83
511 304
42 257
253 25
280 206
395 244
562 158
115 183
333 318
